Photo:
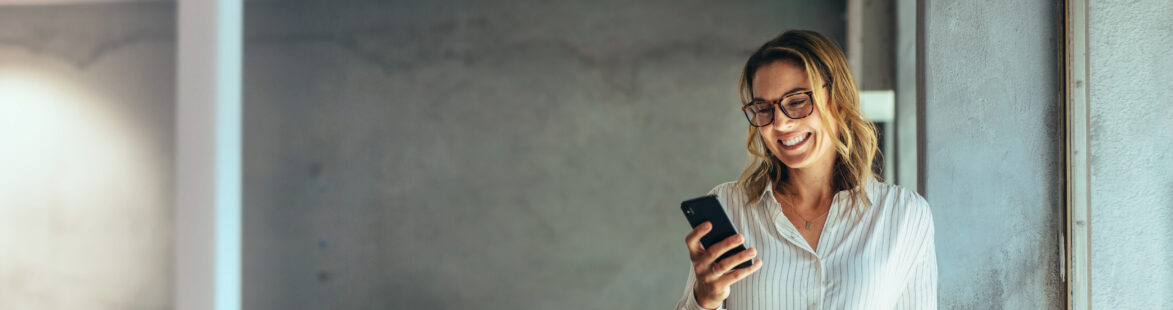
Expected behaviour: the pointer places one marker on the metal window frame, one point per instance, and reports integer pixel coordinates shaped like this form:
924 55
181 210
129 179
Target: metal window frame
1077 258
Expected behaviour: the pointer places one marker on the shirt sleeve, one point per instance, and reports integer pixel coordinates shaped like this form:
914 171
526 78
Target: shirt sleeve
921 290
688 301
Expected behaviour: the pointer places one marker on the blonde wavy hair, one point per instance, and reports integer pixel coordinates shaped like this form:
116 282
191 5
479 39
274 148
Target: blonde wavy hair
856 144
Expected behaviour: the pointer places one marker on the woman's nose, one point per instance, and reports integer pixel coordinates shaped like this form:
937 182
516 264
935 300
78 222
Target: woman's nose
781 121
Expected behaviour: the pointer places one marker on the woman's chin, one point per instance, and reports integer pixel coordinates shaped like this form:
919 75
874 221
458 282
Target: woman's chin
797 158
794 162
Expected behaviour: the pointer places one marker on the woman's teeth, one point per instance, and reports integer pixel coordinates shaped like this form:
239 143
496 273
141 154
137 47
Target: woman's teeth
795 140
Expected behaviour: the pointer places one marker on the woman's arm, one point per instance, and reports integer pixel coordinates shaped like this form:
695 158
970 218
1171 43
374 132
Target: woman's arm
921 290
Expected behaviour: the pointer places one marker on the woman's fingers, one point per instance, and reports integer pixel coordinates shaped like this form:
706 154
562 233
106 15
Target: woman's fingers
720 248
728 263
706 267
704 263
693 240
732 277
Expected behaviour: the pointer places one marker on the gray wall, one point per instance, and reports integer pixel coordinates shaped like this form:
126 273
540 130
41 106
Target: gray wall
1131 137
489 155
991 151
86 103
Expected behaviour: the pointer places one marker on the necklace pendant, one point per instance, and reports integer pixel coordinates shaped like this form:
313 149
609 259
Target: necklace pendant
808 225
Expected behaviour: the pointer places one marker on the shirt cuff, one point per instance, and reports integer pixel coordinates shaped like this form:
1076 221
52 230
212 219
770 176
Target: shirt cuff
693 305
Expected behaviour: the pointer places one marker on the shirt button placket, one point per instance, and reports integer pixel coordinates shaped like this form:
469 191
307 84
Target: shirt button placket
816 296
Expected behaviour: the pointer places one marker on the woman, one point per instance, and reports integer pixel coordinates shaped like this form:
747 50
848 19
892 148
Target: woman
827 233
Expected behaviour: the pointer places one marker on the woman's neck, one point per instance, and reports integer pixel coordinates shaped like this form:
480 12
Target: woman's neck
810 187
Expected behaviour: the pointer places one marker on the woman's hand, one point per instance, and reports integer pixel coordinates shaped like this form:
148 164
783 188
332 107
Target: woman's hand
713 278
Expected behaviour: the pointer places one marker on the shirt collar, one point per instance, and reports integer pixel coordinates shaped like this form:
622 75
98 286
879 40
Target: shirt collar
769 192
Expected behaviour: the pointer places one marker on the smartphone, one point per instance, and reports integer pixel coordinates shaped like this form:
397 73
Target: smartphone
708 208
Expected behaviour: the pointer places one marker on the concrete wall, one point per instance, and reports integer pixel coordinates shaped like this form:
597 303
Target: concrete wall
991 151
86 104
489 154
1131 137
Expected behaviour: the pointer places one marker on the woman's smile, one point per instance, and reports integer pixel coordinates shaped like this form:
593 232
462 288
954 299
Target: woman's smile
795 142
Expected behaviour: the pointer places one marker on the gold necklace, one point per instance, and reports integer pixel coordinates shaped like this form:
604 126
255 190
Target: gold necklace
808 222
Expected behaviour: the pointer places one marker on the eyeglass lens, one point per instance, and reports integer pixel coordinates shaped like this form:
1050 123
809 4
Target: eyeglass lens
762 113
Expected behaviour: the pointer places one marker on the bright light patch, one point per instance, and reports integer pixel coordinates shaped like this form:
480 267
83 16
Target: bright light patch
76 194
878 105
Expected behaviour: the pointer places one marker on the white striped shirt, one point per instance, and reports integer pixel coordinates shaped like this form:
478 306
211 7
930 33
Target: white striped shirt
880 257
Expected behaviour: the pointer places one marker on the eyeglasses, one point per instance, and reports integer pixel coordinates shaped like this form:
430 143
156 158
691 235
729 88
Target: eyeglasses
761 113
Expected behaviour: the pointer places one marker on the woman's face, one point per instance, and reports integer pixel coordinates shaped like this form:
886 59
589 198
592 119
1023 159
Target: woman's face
798 143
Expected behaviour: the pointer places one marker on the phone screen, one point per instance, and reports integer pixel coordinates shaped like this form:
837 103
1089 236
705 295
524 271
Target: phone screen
708 208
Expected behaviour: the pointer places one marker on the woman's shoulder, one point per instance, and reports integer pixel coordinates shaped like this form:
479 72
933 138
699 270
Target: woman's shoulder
900 199
729 193
724 188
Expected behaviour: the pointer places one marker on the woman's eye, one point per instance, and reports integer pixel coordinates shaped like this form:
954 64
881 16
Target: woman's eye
796 103
766 109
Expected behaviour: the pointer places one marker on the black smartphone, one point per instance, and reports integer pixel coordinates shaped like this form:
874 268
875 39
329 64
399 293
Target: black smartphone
708 208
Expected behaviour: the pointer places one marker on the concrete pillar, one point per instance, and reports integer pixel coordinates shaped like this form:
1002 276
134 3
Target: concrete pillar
992 151
1130 137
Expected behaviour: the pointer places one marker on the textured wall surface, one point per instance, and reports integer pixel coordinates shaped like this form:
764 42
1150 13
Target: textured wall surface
1131 139
992 148
489 154
86 103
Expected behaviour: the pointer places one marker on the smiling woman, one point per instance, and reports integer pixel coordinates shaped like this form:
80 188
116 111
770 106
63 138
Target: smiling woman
848 241
788 63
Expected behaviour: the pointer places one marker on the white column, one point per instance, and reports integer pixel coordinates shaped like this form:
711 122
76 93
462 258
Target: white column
905 147
208 150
